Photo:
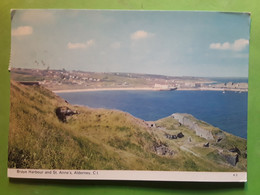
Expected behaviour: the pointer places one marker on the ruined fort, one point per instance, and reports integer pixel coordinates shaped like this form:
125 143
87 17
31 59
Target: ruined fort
186 119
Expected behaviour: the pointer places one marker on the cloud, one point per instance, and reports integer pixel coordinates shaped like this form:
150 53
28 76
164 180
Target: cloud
37 16
85 45
140 34
22 31
76 45
115 45
238 45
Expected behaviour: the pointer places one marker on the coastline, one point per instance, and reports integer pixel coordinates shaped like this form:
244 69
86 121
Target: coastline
105 89
146 89
212 89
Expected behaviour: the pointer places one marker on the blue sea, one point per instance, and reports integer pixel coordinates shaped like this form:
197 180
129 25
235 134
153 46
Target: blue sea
228 111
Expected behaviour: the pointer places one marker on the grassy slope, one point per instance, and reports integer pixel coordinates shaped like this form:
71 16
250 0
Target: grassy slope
195 143
93 139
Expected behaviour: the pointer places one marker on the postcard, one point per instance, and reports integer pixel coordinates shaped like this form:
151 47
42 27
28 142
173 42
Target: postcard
129 95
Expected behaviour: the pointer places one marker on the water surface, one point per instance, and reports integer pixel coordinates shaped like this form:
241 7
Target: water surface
228 111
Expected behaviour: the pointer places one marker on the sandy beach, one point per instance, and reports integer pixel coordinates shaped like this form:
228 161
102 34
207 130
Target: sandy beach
105 89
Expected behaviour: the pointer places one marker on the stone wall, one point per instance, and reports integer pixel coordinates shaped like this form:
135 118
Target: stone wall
184 119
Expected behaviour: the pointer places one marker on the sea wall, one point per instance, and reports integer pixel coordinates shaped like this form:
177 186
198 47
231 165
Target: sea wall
185 119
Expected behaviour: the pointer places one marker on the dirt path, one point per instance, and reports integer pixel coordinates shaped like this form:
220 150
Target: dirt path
183 148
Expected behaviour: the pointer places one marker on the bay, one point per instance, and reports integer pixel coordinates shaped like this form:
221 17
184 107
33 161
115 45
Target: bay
227 111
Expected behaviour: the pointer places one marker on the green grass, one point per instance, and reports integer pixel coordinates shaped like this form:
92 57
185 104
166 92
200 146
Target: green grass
212 156
95 138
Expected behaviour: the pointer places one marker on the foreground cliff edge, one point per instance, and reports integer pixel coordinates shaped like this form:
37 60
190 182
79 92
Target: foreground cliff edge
46 132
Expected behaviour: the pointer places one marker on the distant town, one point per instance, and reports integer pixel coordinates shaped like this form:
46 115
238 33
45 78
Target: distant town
63 80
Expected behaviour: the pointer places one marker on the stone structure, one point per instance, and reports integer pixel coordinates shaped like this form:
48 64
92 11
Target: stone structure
231 159
185 119
30 83
150 123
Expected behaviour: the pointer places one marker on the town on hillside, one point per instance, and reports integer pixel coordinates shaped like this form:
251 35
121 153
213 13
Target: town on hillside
70 80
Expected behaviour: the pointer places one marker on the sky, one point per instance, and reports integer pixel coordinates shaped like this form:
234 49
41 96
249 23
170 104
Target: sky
173 43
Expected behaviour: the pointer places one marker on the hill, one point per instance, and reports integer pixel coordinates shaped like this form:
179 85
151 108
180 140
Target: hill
46 132
69 80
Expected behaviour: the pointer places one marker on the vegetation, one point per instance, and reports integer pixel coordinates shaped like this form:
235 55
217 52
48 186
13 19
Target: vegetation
64 80
218 150
102 139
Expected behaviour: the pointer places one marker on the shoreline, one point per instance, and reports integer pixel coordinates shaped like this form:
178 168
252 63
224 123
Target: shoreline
145 89
212 89
104 89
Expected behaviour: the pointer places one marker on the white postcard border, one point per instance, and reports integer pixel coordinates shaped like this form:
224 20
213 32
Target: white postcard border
128 175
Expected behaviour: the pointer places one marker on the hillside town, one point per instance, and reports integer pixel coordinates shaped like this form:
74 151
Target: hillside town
71 80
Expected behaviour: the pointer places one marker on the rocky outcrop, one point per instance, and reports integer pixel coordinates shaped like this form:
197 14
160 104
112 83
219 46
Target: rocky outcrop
235 150
179 135
219 136
206 145
162 149
63 112
232 159
185 119
170 136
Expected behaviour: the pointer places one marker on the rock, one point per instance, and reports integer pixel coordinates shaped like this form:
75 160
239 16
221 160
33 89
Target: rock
220 136
232 159
163 150
63 112
235 150
206 145
167 135
180 135
170 136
